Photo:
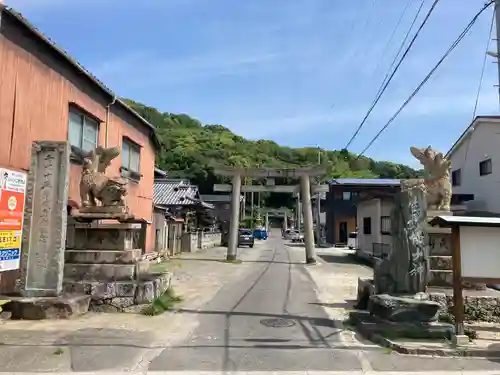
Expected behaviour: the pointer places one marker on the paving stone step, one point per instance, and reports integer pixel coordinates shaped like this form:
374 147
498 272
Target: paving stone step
105 272
102 256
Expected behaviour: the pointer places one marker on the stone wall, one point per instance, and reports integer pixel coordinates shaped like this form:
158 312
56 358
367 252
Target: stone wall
209 240
477 308
194 241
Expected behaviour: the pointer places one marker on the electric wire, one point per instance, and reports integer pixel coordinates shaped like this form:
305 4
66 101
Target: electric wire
393 34
407 35
386 84
352 31
429 75
479 86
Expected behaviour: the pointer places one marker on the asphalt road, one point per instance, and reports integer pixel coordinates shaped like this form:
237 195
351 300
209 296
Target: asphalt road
270 320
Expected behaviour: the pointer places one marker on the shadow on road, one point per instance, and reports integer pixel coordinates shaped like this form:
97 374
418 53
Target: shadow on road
340 259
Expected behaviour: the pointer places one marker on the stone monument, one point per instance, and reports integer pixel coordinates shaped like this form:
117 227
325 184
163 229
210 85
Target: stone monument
40 284
396 298
105 260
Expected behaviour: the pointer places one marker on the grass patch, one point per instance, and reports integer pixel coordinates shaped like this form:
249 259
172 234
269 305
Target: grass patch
166 265
3 302
163 303
58 351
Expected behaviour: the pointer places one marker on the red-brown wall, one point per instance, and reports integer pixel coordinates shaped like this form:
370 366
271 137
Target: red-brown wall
34 104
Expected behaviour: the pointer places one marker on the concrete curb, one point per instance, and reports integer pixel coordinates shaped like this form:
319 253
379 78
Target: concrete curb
437 352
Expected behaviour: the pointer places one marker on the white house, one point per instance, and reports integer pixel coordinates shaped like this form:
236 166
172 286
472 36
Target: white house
475 159
374 225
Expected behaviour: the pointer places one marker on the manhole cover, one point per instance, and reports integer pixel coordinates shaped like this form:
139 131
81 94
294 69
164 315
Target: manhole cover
277 322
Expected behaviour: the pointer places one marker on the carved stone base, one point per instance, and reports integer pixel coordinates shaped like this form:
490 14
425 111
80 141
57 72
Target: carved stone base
369 326
104 210
89 214
403 308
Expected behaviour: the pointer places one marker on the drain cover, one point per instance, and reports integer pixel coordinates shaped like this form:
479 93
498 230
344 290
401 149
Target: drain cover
277 322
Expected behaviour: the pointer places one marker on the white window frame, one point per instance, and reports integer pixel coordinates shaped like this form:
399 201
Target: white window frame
84 123
126 160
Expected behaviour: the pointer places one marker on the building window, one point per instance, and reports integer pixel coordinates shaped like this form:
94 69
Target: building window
367 225
485 167
131 156
456 177
83 131
346 195
385 225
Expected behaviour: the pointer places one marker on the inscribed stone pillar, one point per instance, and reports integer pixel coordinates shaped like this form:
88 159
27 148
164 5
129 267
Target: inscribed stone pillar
45 220
406 269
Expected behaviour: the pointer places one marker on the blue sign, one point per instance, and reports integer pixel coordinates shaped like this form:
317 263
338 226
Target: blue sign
9 254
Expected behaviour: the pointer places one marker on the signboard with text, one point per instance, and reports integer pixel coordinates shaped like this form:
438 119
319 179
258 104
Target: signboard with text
12 194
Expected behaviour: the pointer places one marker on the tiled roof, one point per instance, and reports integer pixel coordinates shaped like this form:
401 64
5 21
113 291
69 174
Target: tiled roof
171 192
366 181
70 60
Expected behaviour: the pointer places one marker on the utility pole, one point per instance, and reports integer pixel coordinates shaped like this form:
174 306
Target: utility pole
318 207
497 22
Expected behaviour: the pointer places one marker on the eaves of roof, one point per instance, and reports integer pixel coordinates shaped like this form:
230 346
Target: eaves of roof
469 130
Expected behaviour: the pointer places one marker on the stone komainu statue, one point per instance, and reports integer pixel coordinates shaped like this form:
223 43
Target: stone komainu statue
95 185
437 183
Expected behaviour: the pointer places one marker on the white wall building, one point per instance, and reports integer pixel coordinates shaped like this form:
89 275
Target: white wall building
475 158
374 225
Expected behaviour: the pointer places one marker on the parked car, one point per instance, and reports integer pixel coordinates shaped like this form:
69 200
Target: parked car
352 240
286 234
245 237
296 236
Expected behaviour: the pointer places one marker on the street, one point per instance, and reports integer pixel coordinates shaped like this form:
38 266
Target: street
272 320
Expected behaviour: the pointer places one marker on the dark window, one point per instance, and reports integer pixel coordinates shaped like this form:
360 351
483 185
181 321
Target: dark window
346 195
456 177
131 158
485 167
367 225
385 225
83 131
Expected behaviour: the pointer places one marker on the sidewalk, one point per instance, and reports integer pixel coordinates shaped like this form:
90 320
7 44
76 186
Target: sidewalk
120 342
336 278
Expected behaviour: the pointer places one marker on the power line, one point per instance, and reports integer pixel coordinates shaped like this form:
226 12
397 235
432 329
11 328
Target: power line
407 35
452 47
386 83
353 30
480 84
393 34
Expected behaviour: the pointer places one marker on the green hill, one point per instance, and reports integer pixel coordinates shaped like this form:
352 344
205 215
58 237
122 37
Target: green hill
191 149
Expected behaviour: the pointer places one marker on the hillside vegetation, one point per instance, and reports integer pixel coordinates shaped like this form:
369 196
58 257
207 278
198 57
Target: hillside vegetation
191 149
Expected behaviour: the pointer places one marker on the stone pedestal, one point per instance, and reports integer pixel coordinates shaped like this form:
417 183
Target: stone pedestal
105 262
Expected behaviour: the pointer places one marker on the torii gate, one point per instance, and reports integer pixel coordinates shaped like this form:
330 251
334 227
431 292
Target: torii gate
305 191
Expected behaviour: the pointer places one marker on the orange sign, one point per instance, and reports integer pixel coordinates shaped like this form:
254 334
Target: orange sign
12 194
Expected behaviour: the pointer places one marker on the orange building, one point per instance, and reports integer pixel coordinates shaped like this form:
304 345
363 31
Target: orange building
47 95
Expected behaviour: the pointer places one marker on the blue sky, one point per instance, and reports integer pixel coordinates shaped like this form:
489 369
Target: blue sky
300 72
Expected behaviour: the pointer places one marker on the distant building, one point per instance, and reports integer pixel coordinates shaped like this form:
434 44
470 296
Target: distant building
342 201
475 165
